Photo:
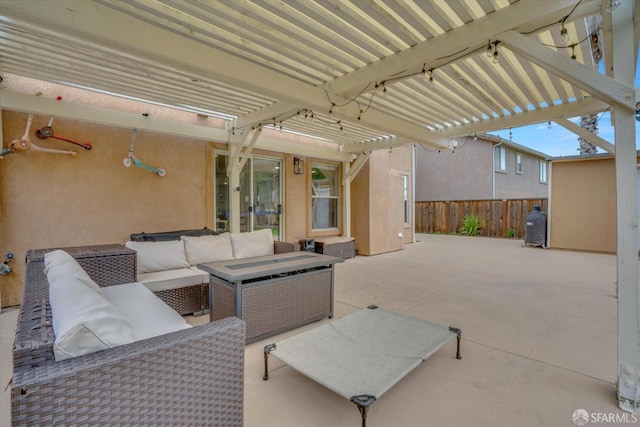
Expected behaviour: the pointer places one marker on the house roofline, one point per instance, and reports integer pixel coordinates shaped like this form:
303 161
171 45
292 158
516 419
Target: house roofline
598 156
498 139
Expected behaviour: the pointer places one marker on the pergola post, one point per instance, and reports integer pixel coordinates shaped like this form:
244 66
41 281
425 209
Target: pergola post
346 201
627 217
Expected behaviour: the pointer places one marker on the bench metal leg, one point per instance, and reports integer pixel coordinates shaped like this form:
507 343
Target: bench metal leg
363 402
267 350
458 332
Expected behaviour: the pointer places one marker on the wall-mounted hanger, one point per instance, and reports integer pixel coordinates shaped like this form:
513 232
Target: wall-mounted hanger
132 159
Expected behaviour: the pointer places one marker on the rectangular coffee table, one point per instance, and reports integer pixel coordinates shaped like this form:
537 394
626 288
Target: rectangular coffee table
364 354
272 293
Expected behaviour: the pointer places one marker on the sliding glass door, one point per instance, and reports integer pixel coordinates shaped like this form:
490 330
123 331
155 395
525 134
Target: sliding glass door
260 195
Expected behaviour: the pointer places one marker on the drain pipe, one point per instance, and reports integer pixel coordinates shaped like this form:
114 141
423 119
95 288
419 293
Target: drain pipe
493 169
413 193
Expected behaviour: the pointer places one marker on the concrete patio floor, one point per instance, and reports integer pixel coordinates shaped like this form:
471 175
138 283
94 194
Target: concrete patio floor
538 340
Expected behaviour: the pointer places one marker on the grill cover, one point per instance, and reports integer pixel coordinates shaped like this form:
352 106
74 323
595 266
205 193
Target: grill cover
535 228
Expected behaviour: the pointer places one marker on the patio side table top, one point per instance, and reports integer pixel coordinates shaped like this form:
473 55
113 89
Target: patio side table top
251 268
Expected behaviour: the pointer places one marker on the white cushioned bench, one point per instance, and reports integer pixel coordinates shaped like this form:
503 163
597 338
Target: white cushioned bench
166 263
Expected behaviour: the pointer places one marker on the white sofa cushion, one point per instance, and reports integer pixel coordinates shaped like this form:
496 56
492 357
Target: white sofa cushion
60 265
84 321
256 243
203 249
147 314
159 256
172 279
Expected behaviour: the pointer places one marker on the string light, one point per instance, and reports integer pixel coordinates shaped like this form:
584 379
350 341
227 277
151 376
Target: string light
549 125
564 35
613 5
427 73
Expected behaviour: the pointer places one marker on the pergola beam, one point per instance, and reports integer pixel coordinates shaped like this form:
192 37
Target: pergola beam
16 101
249 149
355 168
570 109
391 142
587 135
603 87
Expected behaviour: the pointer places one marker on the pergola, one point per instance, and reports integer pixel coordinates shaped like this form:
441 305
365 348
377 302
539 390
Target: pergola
357 75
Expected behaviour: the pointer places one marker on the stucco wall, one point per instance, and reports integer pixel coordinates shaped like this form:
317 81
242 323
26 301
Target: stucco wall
511 185
583 205
377 202
360 206
461 175
297 188
50 200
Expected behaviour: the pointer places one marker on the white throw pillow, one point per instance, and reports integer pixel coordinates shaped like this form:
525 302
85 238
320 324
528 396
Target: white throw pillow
203 249
59 265
256 243
159 256
84 321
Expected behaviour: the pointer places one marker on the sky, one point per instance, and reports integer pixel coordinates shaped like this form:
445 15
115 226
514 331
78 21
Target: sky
557 141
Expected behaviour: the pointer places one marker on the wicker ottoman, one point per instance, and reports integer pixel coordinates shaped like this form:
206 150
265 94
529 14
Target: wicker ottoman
344 247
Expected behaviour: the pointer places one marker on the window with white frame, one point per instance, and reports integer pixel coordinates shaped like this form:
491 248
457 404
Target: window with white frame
543 171
325 197
500 158
518 163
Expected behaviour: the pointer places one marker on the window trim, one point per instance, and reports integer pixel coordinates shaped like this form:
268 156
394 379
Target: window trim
316 231
406 199
543 175
500 158
519 163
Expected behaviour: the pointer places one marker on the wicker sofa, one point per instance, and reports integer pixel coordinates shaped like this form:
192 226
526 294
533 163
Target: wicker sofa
190 377
181 285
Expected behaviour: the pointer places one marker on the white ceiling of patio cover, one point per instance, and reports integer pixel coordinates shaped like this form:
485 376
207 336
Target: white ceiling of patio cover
264 61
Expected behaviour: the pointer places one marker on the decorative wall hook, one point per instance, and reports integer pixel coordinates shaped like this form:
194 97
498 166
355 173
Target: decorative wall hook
132 159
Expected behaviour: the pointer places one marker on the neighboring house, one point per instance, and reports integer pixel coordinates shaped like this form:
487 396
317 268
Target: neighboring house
482 167
582 203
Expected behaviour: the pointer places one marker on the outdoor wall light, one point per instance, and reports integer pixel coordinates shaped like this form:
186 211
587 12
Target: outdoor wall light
298 165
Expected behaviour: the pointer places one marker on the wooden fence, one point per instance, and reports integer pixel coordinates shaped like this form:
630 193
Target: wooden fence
496 216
